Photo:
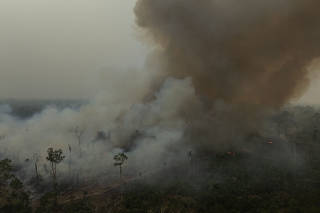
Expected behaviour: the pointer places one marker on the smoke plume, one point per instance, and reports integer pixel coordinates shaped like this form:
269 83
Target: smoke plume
242 52
234 54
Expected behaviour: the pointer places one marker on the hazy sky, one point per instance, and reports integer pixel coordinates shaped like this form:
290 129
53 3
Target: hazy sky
57 48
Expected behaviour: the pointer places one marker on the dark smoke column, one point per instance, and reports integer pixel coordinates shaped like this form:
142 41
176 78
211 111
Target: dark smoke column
242 52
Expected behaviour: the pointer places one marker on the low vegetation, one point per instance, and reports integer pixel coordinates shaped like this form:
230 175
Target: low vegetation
249 180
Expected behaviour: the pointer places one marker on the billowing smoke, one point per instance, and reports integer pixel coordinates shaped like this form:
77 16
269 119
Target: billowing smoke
218 58
90 136
242 52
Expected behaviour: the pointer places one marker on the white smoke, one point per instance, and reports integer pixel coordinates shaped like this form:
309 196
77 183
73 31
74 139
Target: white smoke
150 132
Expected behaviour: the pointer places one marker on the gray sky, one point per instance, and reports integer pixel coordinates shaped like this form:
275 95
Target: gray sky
58 48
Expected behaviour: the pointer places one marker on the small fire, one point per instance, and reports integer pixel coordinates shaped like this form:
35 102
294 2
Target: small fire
231 153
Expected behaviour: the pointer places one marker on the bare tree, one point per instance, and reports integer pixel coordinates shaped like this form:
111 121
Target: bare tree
36 157
189 154
119 161
70 159
78 133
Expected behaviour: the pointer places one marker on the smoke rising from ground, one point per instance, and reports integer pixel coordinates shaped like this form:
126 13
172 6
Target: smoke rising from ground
149 132
241 52
224 52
